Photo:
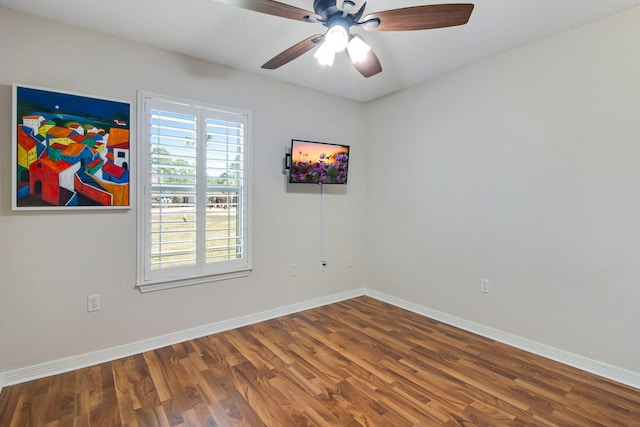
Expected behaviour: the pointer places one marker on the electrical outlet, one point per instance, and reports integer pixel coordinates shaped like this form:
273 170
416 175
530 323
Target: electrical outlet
323 266
292 270
93 303
349 262
484 286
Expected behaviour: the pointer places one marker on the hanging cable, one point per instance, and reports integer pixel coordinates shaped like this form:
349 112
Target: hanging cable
323 263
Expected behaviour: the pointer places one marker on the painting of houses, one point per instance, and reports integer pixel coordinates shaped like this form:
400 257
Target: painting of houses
69 150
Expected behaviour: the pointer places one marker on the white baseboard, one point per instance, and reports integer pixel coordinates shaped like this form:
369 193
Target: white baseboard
593 366
108 354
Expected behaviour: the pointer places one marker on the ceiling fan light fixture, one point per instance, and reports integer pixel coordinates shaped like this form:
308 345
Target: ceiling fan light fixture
337 37
339 16
325 54
357 49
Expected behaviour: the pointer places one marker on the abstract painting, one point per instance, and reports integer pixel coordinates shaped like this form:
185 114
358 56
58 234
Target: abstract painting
69 150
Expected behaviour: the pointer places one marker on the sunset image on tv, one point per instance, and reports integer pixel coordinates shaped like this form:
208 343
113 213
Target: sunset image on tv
318 163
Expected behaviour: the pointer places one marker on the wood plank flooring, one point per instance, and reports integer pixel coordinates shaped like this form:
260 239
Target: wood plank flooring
359 362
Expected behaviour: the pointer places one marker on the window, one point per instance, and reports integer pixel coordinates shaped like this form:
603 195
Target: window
193 208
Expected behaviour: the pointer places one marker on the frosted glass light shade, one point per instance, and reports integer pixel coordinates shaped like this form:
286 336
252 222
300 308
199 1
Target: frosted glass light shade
325 54
337 38
357 49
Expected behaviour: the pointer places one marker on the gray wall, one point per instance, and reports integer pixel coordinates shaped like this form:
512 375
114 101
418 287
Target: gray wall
49 263
521 169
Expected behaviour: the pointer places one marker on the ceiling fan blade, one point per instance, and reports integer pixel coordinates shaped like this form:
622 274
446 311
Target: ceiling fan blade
271 7
370 65
357 4
292 53
420 17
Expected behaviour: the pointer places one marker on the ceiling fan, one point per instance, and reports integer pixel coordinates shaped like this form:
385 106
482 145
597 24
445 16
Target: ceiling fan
339 16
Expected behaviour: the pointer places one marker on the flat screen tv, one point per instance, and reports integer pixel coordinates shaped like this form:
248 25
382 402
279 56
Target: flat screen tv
318 162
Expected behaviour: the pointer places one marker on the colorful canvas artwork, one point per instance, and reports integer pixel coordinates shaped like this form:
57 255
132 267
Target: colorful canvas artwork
69 150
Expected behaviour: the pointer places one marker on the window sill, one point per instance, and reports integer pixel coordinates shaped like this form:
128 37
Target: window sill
158 285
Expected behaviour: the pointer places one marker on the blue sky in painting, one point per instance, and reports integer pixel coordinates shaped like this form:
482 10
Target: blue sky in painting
64 103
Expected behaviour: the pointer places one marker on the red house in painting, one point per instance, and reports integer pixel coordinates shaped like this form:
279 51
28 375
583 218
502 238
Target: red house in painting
52 181
114 173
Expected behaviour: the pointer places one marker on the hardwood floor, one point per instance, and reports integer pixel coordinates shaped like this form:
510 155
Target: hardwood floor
359 362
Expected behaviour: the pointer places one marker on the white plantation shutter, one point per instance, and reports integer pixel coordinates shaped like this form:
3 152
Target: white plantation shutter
225 175
195 193
173 176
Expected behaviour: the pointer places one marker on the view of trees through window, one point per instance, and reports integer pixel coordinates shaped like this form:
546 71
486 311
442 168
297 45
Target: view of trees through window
177 165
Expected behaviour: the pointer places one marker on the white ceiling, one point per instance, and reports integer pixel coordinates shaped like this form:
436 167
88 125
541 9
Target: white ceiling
245 40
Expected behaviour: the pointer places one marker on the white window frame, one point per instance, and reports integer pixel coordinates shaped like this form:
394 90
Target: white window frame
165 278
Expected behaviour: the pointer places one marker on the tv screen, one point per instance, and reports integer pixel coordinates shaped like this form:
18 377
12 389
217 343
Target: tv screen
318 162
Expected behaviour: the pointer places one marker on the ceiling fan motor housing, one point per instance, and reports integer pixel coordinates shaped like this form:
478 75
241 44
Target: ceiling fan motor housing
331 15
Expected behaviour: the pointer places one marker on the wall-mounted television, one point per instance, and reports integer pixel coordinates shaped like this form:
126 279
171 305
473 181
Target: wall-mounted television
318 162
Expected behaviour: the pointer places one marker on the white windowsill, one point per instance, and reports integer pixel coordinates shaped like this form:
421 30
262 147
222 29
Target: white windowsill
158 285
